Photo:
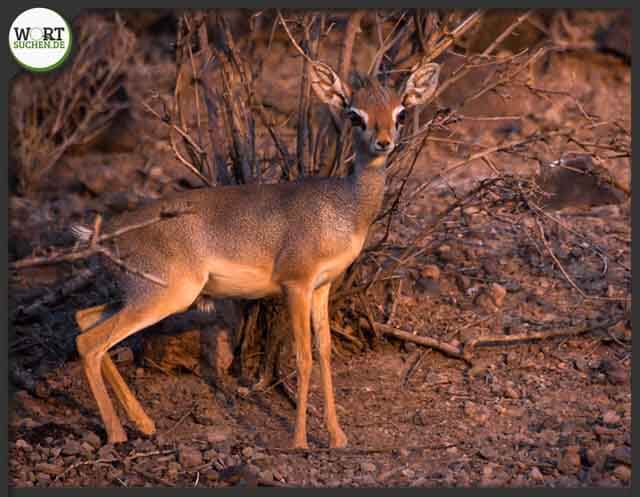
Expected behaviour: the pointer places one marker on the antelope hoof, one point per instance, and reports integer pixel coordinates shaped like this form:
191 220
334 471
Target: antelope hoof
300 443
147 427
339 440
117 436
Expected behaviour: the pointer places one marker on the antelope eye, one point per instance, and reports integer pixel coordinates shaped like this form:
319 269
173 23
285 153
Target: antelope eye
356 119
401 117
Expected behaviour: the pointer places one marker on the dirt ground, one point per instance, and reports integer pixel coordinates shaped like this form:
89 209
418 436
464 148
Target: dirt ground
554 412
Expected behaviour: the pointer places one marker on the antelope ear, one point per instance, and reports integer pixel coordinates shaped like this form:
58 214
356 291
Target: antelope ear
329 87
421 85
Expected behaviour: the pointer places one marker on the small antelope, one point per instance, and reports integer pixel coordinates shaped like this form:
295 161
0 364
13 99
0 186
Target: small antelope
251 241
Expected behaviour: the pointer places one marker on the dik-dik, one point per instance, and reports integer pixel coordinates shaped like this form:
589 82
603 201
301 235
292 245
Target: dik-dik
253 241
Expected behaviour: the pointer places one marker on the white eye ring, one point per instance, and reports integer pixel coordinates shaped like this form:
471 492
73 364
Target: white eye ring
352 111
397 112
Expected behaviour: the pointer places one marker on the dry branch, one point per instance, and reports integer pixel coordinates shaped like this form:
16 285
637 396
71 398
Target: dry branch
484 341
72 106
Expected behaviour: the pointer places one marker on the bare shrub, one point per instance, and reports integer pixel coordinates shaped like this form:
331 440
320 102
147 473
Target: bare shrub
69 107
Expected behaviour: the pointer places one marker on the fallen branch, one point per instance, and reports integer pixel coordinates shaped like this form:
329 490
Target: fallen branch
94 247
546 244
526 337
78 282
444 347
110 460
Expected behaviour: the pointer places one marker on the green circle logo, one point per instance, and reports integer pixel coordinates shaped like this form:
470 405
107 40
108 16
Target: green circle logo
40 39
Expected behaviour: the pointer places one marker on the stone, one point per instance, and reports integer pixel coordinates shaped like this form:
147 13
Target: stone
367 467
71 448
621 454
217 435
485 302
616 375
189 456
463 283
570 461
23 444
497 294
535 474
622 472
610 418
48 468
431 272
247 452
92 439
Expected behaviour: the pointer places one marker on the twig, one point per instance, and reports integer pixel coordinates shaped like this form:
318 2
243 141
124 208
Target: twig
339 331
110 460
355 451
450 38
564 272
445 348
595 247
78 282
94 248
524 337
183 417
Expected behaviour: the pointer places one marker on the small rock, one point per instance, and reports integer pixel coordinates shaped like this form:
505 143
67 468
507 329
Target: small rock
243 391
367 467
403 453
510 392
189 456
266 475
172 469
71 448
616 376
488 453
23 444
622 472
463 283
43 478
485 301
247 452
217 435
212 475
367 481
87 448
570 461
621 454
50 469
408 473
603 431
409 346
445 252
610 418
93 439
497 294
431 272
107 452
535 474
478 369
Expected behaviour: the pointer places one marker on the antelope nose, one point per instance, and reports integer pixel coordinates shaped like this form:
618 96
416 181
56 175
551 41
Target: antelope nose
383 144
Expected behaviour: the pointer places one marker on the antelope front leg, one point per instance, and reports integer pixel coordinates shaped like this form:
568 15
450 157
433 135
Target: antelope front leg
320 320
299 302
